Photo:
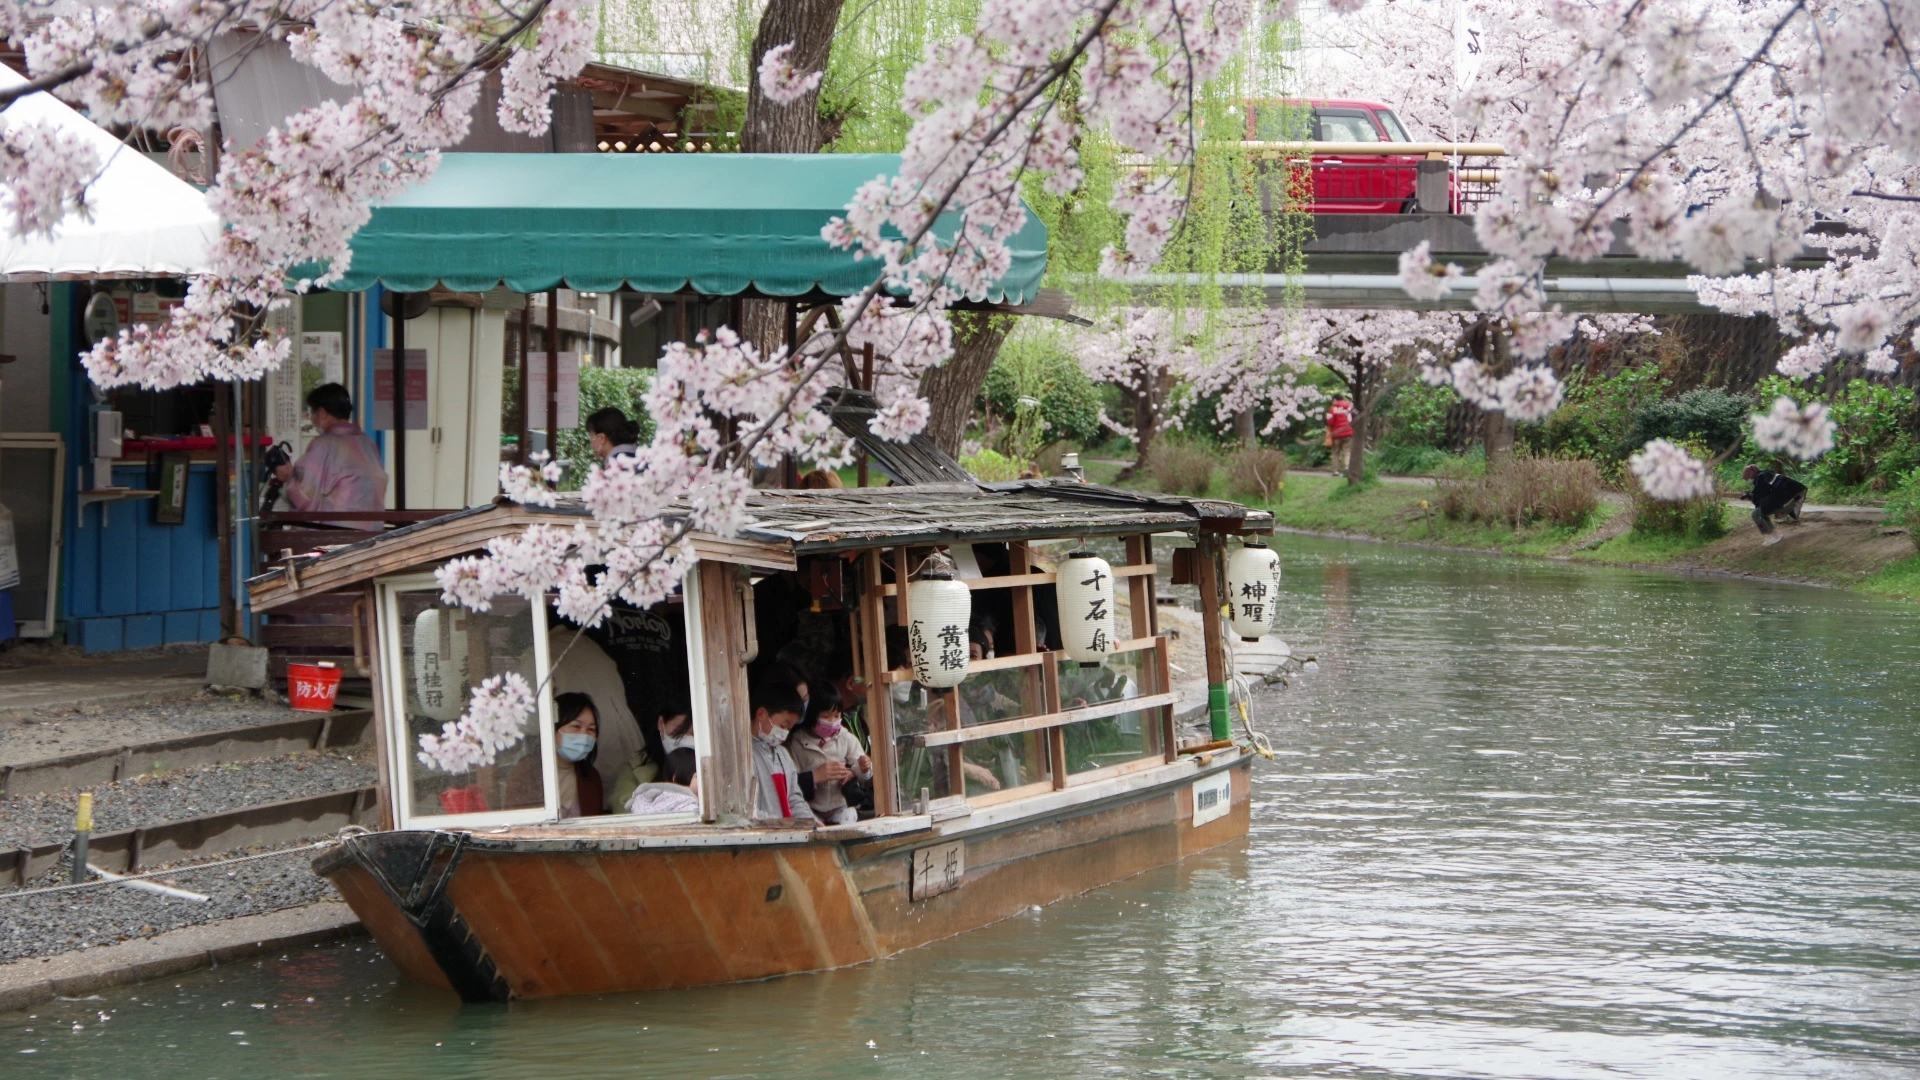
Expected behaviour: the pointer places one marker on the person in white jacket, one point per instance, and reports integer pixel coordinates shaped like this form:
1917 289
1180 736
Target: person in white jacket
777 707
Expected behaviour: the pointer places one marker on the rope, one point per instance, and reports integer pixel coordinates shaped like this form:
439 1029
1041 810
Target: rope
1243 690
350 830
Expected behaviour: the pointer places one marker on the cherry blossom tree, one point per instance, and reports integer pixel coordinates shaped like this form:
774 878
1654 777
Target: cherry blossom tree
1733 136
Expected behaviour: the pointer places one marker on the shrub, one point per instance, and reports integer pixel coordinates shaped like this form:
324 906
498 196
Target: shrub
1040 395
1256 473
622 388
1903 505
1308 455
1181 467
1713 416
992 467
1596 418
1408 460
1416 415
1704 518
1522 490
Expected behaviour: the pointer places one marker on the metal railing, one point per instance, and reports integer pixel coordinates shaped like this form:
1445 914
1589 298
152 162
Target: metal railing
1328 179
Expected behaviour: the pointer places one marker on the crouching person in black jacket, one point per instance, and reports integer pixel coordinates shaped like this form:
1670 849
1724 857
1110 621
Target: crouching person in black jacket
1773 494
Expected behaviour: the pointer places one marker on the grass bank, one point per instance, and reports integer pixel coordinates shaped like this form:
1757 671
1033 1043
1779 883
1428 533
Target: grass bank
1869 558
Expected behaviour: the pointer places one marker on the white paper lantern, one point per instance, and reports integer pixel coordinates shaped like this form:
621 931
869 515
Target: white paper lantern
440 663
939 610
1253 589
1084 586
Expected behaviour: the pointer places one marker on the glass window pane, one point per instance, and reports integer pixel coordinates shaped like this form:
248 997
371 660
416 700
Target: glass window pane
1395 133
445 652
917 710
1110 740
1347 126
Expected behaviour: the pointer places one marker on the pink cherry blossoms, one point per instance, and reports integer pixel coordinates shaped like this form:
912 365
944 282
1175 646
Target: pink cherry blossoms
1668 473
781 81
495 720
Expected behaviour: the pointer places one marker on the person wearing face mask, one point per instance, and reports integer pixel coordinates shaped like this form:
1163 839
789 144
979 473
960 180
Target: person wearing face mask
827 753
777 708
610 434
575 746
671 730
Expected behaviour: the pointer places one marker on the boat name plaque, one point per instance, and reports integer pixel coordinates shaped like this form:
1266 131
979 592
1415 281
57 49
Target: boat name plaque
936 869
1212 797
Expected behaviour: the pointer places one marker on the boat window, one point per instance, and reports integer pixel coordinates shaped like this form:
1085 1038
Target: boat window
1027 719
433 655
633 667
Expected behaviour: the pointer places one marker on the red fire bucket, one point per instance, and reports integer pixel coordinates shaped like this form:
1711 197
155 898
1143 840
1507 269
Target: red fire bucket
311 687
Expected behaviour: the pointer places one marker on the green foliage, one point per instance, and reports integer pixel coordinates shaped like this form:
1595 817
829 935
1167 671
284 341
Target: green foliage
1037 395
1596 419
1396 459
1711 415
600 387
1696 519
1416 416
1903 505
1874 444
992 467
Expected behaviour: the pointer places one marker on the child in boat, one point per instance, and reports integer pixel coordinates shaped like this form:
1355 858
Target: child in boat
821 739
677 796
777 708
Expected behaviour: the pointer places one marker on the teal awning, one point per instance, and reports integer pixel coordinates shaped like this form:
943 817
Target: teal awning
718 224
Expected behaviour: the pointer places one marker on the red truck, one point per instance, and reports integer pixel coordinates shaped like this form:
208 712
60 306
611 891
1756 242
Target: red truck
1355 183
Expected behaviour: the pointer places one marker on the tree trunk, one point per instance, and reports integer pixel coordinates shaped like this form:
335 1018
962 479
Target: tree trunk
1146 427
784 129
1243 429
1361 388
795 128
1499 427
953 388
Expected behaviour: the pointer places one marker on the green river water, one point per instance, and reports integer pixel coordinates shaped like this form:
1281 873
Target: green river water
1527 820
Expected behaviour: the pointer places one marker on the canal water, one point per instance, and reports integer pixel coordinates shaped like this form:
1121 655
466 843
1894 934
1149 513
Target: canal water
1526 820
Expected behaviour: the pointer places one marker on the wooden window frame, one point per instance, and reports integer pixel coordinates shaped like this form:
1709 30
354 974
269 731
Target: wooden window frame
1048 720
399 743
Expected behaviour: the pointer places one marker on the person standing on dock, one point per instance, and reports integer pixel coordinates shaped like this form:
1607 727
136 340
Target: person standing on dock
1773 493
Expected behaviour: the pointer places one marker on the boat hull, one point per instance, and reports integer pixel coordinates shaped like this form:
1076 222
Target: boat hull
506 918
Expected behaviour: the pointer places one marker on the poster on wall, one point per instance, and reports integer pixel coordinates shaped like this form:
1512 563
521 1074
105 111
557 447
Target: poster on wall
382 412
569 390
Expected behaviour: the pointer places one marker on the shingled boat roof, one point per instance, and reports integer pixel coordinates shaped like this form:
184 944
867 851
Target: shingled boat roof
783 524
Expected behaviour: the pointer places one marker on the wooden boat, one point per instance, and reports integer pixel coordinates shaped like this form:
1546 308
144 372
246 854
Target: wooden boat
1036 779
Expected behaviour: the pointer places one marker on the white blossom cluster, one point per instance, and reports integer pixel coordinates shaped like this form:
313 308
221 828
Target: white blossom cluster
495 720
1800 432
1668 473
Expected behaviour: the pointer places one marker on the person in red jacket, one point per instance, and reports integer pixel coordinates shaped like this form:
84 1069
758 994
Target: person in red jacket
1340 431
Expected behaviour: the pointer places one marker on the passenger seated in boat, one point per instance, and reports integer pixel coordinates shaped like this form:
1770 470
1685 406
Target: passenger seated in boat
582 666
679 794
827 754
670 731
575 746
777 708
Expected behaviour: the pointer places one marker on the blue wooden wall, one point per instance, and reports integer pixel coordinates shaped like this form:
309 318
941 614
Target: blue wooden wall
133 584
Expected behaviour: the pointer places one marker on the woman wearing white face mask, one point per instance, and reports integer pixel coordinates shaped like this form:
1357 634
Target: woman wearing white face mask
671 730
575 747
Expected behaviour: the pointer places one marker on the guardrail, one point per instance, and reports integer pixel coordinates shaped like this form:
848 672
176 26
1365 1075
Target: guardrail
1437 182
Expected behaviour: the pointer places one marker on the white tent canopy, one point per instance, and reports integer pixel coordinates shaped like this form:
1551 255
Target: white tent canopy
146 222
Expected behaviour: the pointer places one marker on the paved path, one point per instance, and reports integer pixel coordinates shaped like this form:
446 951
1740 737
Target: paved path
103 681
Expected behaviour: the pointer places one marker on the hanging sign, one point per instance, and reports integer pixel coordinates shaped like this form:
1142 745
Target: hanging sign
1084 584
417 411
1469 44
939 611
